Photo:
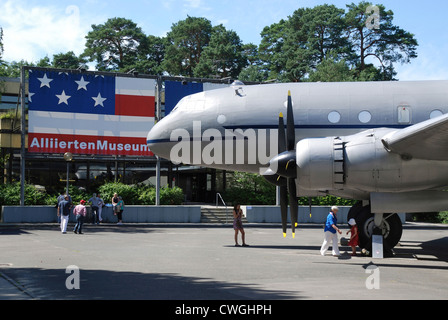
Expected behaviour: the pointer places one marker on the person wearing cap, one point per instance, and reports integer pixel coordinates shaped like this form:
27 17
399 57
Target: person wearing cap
80 213
354 240
330 233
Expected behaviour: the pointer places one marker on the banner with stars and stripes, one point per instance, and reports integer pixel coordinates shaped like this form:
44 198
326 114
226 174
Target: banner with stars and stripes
89 114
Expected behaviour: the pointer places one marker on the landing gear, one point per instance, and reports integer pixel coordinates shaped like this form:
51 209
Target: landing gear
387 225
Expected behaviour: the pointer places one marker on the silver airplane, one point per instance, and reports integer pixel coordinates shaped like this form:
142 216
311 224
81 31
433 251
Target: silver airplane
382 143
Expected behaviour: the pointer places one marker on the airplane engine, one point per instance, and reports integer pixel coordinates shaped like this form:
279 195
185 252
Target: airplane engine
320 163
361 162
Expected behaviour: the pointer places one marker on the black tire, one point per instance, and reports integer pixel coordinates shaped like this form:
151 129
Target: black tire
392 228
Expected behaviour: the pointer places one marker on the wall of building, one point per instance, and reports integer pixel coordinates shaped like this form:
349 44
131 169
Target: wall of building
131 214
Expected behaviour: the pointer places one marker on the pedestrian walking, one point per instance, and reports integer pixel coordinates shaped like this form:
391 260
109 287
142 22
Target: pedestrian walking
80 212
64 212
331 236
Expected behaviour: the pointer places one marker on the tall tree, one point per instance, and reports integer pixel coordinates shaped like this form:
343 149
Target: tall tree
255 70
385 42
303 41
114 45
1 45
223 56
271 48
151 56
293 48
186 42
331 69
68 60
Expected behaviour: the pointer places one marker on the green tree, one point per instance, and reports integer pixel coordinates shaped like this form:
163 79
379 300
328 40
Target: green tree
151 56
313 33
68 60
294 47
1 45
331 70
114 45
223 56
186 42
271 49
255 70
12 69
386 44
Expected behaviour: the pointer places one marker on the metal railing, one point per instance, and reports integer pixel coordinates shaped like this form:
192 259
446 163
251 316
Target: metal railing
218 196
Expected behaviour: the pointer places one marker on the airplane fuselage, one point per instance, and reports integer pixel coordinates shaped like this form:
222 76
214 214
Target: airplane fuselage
236 128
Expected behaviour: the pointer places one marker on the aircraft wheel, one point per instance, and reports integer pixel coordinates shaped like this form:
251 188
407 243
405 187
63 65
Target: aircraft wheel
391 228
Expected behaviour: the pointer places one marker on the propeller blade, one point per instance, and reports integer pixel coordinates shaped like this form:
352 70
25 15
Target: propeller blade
284 188
281 134
293 205
284 208
290 129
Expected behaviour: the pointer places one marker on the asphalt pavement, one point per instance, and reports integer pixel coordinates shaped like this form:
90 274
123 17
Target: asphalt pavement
200 262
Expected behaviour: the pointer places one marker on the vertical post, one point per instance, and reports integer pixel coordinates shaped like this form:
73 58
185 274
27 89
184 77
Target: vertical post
158 182
22 137
68 157
67 182
158 117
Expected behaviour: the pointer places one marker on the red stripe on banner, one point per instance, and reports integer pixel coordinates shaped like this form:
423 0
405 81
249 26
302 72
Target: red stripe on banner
139 106
57 143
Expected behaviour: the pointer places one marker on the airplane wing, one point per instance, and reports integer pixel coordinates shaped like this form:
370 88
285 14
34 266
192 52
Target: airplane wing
425 140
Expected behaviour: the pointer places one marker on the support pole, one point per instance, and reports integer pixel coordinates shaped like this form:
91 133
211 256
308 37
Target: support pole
158 117
158 182
22 137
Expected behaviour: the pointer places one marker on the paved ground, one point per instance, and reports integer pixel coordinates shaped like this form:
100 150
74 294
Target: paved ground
199 262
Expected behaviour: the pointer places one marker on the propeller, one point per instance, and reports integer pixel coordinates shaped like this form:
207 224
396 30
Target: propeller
286 171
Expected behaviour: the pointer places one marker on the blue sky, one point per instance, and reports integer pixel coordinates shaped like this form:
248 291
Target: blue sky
35 28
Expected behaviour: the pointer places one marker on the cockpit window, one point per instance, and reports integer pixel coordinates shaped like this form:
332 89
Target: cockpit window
194 102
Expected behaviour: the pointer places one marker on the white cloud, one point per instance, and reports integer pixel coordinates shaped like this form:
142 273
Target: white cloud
193 3
429 65
31 33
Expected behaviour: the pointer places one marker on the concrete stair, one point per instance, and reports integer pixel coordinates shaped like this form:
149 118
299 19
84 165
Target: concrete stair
213 214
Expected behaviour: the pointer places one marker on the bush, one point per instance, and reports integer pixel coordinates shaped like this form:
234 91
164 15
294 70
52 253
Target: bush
10 195
129 194
171 196
168 196
443 217
140 194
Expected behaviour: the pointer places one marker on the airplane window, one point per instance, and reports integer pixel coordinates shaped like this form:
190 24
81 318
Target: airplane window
334 117
364 116
221 119
435 114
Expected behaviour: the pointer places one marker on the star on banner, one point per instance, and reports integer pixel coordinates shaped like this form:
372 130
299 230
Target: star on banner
82 84
99 100
45 82
63 98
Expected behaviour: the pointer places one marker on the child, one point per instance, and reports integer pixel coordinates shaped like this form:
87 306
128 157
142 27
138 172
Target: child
354 241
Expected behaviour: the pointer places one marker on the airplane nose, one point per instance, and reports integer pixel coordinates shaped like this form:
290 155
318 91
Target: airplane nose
156 138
